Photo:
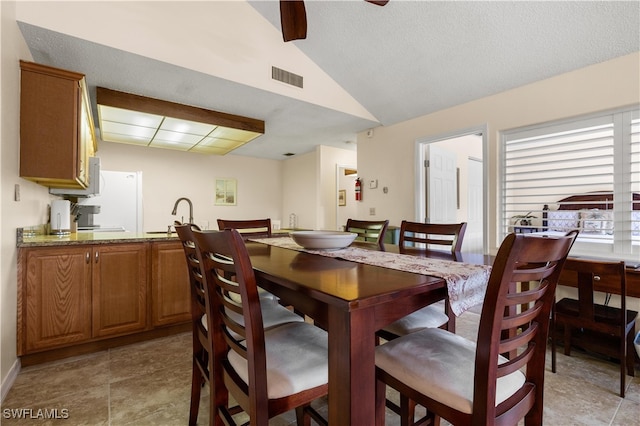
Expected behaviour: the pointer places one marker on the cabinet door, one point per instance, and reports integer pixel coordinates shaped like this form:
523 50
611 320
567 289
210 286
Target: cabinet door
58 297
50 108
119 278
169 284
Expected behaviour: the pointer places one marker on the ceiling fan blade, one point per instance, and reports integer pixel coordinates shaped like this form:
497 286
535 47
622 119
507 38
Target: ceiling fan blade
378 2
293 19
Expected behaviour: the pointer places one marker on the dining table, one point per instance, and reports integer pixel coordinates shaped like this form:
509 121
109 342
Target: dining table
351 300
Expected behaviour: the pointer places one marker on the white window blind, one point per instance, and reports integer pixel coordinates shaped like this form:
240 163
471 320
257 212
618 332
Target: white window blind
582 174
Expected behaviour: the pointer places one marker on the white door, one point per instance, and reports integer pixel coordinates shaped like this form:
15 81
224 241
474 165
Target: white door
441 185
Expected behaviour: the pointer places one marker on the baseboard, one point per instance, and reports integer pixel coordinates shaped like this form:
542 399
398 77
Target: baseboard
8 381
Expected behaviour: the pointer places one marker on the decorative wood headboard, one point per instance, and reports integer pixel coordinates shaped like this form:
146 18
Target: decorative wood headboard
596 200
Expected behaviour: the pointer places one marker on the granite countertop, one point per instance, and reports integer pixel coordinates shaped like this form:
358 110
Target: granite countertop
91 238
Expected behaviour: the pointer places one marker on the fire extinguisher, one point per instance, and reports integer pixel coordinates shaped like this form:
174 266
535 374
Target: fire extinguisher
358 189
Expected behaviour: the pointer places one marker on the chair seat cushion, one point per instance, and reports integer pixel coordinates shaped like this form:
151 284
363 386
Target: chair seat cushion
296 359
262 293
440 365
428 317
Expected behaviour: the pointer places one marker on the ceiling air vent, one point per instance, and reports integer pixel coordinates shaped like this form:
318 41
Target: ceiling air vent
286 77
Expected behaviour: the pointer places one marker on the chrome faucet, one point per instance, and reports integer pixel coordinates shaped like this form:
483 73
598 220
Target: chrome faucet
175 208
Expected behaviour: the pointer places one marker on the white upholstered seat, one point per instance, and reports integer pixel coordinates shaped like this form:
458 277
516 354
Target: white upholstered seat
440 365
431 316
296 359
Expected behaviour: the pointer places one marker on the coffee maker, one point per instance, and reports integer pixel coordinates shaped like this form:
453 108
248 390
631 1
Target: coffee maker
84 216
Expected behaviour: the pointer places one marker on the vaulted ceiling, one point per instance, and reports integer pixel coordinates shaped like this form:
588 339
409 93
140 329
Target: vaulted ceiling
362 65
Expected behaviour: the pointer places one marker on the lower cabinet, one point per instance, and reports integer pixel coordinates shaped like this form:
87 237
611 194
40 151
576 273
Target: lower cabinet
119 283
75 294
55 309
169 284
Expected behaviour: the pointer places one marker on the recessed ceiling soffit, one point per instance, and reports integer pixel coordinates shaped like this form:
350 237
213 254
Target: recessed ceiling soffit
138 120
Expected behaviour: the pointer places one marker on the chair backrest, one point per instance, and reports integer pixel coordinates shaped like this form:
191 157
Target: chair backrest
590 274
442 234
509 307
370 231
198 306
254 228
223 253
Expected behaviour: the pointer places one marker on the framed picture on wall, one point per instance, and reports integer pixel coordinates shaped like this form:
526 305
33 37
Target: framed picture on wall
342 197
226 192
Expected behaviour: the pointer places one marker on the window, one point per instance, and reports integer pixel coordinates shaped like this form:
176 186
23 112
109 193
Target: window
581 174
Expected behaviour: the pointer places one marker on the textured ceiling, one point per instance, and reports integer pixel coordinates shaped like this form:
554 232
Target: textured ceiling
397 62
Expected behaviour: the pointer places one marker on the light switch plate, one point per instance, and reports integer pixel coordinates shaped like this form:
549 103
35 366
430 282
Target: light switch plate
373 184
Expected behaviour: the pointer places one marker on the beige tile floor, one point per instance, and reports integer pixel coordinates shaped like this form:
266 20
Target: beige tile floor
149 384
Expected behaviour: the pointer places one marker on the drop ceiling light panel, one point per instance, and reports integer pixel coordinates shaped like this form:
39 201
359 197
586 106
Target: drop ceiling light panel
137 120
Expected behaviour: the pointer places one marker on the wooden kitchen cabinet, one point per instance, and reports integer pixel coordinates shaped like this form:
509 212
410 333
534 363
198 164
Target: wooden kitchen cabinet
74 294
169 284
119 283
57 304
77 298
57 134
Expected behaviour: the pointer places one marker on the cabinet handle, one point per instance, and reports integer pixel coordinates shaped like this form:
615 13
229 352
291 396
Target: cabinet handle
88 257
596 277
97 256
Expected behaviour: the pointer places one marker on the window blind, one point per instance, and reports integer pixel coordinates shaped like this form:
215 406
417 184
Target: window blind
634 174
579 174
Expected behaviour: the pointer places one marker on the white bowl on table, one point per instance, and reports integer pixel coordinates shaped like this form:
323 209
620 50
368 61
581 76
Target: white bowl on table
327 240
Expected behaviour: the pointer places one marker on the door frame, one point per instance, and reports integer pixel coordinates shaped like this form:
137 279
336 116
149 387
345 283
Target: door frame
340 168
420 174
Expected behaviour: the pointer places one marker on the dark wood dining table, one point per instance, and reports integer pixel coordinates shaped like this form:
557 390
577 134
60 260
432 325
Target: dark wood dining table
351 301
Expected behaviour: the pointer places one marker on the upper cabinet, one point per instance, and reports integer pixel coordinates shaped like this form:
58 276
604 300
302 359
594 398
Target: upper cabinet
57 135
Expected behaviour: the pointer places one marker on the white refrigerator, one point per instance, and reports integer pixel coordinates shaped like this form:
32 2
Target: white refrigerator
120 202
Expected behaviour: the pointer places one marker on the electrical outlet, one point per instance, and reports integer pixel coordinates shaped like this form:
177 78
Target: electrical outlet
372 211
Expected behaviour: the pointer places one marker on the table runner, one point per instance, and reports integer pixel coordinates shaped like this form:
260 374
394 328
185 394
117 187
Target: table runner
466 282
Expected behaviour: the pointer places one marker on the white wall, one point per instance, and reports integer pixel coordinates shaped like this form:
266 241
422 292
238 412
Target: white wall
168 175
309 187
300 190
329 158
32 207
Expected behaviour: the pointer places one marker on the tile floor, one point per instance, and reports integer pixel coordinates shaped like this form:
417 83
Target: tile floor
149 384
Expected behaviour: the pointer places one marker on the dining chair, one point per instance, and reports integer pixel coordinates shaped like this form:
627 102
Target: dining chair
201 359
596 327
253 228
415 239
425 235
267 371
500 378
369 231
